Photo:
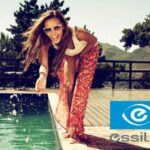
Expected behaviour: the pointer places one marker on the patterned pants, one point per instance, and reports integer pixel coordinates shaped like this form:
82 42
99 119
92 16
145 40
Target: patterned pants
72 120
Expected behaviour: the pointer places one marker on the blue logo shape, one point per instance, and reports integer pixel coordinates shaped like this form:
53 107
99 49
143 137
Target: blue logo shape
130 114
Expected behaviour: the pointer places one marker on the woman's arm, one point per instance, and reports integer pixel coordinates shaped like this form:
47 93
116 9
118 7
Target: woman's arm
40 84
43 71
86 36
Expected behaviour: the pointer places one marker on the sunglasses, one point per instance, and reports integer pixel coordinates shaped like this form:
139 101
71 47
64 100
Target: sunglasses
55 28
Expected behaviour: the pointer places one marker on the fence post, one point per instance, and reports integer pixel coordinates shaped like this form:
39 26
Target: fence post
15 75
114 74
130 75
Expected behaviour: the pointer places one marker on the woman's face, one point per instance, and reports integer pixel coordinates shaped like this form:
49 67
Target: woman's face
53 28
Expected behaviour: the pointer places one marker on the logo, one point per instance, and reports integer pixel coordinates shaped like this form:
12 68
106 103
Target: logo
139 137
130 115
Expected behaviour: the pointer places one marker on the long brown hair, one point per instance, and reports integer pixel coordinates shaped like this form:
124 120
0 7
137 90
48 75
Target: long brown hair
36 38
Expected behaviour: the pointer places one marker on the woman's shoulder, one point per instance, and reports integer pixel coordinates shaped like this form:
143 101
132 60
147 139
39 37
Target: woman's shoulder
83 35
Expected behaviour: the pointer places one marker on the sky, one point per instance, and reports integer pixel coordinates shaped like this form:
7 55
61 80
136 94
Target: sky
106 18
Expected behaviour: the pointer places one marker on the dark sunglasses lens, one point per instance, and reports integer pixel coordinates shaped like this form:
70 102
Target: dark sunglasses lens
47 30
57 28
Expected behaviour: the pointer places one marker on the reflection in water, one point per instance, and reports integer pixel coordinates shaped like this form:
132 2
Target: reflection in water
33 130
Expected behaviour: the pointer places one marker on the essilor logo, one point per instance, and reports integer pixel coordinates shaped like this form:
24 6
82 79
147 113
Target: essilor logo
137 114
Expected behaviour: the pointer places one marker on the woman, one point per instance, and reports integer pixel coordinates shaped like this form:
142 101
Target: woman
74 63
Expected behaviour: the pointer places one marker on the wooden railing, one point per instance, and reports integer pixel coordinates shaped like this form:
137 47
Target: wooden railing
11 72
130 71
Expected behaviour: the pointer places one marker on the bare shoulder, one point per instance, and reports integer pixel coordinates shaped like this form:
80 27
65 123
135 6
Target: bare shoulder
85 36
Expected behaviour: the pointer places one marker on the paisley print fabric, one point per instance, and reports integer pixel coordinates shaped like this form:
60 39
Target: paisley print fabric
72 121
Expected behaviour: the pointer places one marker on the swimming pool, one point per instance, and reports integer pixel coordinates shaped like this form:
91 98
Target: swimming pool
26 124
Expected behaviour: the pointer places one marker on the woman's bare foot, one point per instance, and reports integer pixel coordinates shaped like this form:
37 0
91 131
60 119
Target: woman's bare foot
66 135
75 140
78 138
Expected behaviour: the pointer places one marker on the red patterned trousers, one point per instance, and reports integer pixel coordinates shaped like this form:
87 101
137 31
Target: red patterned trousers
72 120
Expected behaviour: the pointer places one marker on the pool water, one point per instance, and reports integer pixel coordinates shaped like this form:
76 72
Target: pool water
26 125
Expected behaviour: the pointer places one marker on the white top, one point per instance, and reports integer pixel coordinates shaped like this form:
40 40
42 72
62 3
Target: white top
79 45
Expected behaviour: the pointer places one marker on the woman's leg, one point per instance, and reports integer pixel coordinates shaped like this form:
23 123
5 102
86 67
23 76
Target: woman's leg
81 91
72 120
66 75
69 77
62 110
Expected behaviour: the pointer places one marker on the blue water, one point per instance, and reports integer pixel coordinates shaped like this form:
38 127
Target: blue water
25 129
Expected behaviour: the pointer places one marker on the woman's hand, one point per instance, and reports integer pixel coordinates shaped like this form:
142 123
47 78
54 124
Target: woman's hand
40 84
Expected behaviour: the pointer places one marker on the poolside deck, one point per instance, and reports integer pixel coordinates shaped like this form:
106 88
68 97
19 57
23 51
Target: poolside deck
97 121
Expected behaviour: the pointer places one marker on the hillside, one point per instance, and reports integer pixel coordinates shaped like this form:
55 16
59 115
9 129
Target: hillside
113 53
140 54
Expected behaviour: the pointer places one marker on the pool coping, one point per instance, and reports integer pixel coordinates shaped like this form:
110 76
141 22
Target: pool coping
54 125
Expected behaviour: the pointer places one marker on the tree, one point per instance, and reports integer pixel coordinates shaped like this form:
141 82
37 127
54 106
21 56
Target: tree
6 45
139 35
85 27
102 74
25 17
146 84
